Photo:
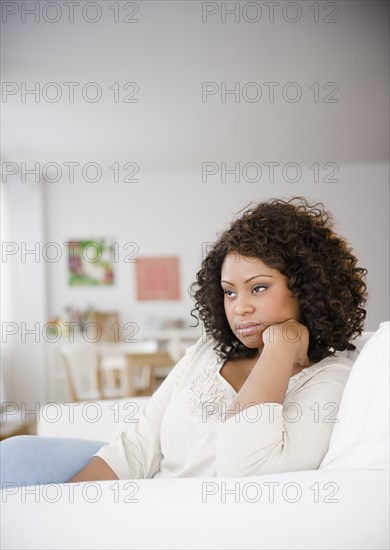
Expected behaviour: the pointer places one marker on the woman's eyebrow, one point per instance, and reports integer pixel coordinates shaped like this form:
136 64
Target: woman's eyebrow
247 281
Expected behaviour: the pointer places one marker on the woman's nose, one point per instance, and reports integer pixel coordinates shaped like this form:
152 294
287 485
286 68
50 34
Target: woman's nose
243 305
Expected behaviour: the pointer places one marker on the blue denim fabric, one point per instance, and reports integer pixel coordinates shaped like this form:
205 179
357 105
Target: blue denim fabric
30 459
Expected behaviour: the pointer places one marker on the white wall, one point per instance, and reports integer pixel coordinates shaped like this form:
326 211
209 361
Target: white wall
170 132
23 292
174 215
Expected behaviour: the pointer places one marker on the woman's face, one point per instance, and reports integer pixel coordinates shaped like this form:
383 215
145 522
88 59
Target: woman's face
255 296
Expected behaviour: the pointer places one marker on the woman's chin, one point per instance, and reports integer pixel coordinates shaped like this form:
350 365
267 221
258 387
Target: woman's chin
252 341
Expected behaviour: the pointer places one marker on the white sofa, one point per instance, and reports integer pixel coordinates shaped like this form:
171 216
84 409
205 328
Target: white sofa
342 505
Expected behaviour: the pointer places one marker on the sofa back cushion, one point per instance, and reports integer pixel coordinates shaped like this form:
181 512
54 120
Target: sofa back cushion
360 438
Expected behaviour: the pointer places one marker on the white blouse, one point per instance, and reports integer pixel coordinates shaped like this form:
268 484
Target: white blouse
182 430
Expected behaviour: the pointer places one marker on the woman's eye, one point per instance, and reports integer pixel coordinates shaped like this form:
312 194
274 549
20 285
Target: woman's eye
226 292
259 288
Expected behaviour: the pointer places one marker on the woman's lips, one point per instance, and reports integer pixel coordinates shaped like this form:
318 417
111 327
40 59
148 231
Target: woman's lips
246 330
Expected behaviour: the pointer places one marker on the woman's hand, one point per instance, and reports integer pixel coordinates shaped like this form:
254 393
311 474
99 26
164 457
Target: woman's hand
285 347
291 336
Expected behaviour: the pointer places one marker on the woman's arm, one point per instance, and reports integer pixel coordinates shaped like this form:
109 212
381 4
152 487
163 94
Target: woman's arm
96 470
278 433
136 453
285 345
270 438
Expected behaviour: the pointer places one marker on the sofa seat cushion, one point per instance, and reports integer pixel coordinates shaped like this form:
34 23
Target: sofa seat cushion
301 510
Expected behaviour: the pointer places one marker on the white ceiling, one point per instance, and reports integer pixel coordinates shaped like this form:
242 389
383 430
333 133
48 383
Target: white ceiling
169 53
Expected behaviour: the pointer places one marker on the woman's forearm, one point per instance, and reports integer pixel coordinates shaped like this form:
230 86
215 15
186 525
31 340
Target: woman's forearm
268 380
96 470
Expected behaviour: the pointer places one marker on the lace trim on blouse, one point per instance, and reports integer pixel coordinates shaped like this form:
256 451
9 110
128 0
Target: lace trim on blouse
210 398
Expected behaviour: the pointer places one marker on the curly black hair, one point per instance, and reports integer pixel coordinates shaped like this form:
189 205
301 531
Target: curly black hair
296 238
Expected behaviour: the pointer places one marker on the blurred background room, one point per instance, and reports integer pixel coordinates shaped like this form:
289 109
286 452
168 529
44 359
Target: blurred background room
132 133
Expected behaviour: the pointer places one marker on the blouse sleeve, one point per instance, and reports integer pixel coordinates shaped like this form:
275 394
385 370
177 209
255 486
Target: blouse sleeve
136 453
270 438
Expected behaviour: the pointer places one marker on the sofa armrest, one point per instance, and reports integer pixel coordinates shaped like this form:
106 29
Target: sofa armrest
98 420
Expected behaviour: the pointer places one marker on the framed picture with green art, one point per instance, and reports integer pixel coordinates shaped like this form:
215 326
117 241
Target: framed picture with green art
90 262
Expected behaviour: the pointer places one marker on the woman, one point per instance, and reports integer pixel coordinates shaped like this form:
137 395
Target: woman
280 297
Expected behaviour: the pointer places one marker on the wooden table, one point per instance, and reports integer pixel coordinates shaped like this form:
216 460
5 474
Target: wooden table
151 360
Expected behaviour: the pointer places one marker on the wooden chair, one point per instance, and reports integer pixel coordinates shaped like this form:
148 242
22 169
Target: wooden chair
133 363
106 371
84 374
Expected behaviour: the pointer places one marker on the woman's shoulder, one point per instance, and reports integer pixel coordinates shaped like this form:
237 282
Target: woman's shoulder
335 368
340 360
201 355
203 348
